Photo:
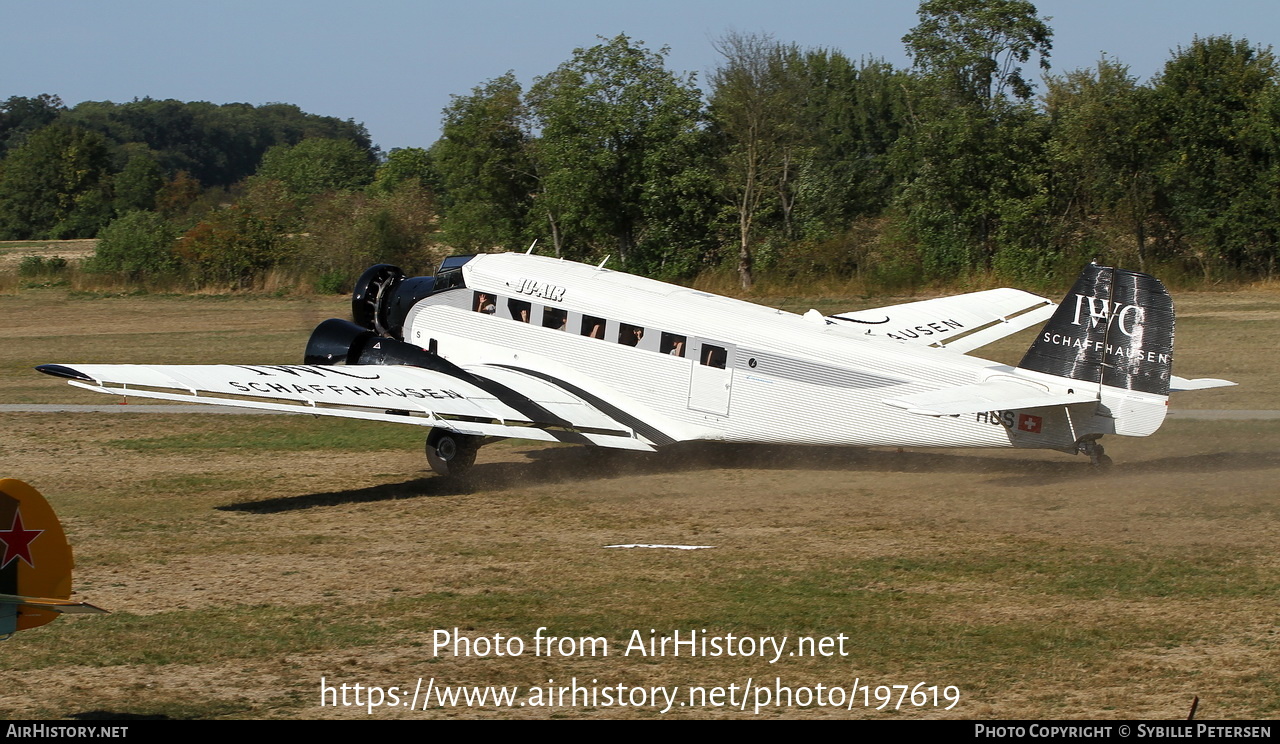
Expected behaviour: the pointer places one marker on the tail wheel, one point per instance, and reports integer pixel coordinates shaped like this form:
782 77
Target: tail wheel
1097 455
1101 461
451 454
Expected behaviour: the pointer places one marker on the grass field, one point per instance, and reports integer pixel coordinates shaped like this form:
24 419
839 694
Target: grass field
245 558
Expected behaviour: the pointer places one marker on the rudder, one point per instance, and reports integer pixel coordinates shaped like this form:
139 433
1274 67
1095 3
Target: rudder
1114 330
35 561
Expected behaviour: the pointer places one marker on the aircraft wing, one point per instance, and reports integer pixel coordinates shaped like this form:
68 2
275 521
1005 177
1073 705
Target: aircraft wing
962 322
482 400
993 395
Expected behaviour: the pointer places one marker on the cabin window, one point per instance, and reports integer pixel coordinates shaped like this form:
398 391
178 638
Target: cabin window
629 335
672 344
714 356
483 303
592 327
519 310
554 317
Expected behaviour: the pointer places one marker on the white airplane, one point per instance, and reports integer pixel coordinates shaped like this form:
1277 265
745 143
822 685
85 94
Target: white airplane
530 347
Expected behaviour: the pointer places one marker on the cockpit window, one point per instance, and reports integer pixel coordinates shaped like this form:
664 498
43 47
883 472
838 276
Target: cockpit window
449 275
453 262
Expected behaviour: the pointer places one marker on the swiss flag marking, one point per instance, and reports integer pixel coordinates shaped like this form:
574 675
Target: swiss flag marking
1029 423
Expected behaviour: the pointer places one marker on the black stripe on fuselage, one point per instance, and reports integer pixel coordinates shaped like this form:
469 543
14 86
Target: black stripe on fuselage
617 414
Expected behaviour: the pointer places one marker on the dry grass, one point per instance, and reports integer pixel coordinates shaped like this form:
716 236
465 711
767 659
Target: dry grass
13 251
247 557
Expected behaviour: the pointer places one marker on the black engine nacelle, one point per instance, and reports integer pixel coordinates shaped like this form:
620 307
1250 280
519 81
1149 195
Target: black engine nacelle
338 341
383 295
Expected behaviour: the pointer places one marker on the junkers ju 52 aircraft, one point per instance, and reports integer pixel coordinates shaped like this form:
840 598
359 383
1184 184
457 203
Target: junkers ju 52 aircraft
531 347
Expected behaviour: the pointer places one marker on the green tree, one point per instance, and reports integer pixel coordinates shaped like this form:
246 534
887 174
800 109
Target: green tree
140 244
314 166
234 247
218 145
1216 102
20 116
619 135
486 173
972 166
1103 146
177 195
56 184
136 186
347 231
756 97
973 49
404 165
854 115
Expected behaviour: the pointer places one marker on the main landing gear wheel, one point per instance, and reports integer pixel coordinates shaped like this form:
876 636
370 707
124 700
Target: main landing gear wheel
451 454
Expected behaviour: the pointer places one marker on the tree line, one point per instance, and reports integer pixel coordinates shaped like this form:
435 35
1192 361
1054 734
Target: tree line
792 163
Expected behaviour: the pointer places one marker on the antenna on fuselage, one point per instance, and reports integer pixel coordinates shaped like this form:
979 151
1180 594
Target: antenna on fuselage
531 246
605 261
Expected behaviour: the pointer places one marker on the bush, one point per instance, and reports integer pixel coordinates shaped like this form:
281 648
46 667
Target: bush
137 244
33 266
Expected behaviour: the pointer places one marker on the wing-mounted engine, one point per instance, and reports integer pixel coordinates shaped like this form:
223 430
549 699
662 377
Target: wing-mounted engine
338 341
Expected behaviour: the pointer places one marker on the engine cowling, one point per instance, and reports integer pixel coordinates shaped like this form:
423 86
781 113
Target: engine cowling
384 296
338 341
373 290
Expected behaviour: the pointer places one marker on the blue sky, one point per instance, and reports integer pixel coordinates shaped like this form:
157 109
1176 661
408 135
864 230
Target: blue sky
393 64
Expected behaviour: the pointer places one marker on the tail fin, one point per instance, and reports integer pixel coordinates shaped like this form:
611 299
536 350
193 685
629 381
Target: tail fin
35 561
1113 330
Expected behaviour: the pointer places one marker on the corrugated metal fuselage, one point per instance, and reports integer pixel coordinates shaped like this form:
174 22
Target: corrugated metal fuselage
693 365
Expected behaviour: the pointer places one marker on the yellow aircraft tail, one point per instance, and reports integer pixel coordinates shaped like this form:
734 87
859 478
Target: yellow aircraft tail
35 561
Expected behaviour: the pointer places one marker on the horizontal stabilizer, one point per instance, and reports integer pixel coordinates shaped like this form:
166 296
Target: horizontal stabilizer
1182 384
993 395
60 606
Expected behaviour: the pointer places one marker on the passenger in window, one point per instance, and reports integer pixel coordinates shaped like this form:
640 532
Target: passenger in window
554 317
630 335
519 310
484 304
677 349
672 344
714 356
592 327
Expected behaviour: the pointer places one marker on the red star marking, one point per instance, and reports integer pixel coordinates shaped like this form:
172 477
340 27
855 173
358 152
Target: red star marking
1029 423
17 541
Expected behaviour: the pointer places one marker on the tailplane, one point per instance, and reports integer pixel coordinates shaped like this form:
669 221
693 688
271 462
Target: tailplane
35 561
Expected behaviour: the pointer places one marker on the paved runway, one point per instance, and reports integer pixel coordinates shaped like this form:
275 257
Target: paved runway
1201 415
130 408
